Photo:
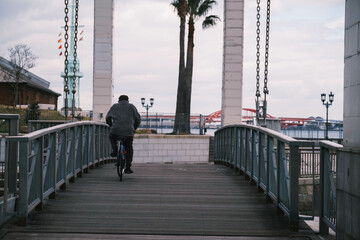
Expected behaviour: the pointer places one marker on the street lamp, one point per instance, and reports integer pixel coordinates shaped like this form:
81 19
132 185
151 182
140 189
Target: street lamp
147 106
327 104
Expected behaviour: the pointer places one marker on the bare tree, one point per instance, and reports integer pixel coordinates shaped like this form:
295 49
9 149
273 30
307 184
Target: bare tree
21 59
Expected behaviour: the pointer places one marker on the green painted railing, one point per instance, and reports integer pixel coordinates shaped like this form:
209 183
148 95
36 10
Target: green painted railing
328 165
260 154
51 158
8 168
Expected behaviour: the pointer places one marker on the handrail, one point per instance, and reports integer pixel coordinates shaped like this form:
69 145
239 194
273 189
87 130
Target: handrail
9 169
40 124
330 145
259 153
270 132
328 164
52 157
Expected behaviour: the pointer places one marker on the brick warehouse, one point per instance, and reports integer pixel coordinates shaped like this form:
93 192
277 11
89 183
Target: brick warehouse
32 89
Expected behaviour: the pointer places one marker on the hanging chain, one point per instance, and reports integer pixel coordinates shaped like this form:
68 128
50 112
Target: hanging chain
66 53
66 45
257 60
75 46
258 51
266 90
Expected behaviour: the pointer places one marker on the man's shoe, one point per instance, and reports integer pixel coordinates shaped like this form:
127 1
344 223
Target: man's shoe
113 154
128 171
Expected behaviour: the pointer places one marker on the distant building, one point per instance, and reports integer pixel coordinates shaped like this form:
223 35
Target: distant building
32 89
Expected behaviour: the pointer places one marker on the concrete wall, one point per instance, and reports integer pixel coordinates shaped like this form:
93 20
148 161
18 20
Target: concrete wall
232 62
171 148
348 164
102 70
352 75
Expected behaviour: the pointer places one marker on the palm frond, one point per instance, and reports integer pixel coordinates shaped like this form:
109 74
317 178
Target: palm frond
210 21
176 5
205 7
193 6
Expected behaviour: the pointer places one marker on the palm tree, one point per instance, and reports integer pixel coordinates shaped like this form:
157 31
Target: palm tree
196 9
180 6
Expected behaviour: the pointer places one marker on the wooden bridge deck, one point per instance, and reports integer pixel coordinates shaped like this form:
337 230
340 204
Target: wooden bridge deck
159 201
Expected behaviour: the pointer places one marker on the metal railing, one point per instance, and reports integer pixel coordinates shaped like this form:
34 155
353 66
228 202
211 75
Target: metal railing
34 125
10 126
260 154
310 161
328 158
313 133
52 157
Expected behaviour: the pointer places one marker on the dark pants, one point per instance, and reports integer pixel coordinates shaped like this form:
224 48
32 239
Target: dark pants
128 144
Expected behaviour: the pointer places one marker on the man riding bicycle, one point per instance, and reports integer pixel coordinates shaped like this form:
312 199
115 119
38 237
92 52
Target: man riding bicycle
123 119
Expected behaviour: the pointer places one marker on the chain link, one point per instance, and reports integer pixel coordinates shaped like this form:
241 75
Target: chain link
266 90
75 46
66 53
258 51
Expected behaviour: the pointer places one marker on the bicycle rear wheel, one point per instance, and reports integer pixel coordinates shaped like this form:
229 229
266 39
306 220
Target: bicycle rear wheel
121 162
119 170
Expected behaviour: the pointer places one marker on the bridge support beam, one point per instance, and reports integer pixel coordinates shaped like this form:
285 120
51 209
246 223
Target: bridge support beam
231 105
348 164
102 69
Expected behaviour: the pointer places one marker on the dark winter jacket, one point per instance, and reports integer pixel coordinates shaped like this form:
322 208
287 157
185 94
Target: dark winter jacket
123 119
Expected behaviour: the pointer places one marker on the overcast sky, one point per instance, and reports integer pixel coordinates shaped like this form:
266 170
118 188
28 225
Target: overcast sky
306 53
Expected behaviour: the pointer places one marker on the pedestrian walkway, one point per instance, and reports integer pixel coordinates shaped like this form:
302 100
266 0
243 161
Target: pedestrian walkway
159 201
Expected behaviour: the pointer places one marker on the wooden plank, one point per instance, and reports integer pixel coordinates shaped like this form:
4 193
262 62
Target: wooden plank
79 236
159 199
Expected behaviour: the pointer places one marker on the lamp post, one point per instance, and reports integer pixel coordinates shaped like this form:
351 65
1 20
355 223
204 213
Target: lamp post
327 104
147 106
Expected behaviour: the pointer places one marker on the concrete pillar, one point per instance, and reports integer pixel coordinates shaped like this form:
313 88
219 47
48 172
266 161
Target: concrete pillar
102 70
232 82
348 164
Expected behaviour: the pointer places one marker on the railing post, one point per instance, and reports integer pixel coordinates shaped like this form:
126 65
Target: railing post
261 165
13 154
237 148
93 145
294 185
324 159
54 164
65 158
73 153
86 148
40 179
270 171
79 150
23 184
234 150
255 155
99 144
280 157
247 151
226 145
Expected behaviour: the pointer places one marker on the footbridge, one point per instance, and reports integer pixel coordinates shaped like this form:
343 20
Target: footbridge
60 182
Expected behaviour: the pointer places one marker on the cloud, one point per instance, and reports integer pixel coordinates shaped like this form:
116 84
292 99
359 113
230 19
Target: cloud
306 57
306 52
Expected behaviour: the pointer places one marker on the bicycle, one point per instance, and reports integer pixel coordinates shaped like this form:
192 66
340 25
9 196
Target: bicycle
121 159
